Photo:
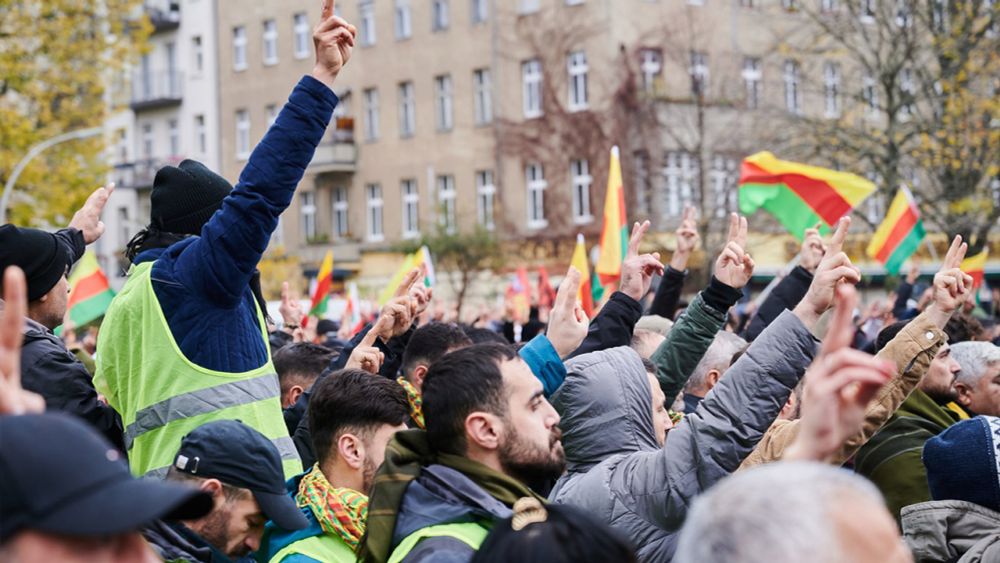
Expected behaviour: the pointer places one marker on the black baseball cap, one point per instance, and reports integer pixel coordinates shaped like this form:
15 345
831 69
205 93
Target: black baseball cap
240 456
58 475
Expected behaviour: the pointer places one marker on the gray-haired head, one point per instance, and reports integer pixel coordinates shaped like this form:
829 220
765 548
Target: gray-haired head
786 512
975 359
645 342
716 358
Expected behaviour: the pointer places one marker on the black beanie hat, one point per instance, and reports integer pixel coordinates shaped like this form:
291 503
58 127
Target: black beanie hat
184 197
39 253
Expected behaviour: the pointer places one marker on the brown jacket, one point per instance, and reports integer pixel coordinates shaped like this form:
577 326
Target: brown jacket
911 350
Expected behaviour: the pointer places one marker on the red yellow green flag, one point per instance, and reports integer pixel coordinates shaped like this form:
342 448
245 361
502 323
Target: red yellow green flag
799 195
324 281
899 235
614 235
585 295
975 266
89 292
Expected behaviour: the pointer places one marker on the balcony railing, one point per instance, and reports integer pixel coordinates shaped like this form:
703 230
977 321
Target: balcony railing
151 90
337 151
140 173
164 15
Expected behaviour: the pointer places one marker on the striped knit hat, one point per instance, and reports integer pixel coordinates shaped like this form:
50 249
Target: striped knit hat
963 462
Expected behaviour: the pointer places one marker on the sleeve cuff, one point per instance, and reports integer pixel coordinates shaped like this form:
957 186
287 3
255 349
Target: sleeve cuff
318 90
720 296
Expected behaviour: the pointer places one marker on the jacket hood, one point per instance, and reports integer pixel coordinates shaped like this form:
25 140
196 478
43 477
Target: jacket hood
606 408
948 529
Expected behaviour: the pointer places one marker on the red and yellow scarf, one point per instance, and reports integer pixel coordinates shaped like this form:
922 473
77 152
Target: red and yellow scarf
339 511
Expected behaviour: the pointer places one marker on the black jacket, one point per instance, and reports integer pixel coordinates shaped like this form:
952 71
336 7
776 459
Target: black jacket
785 295
175 543
613 326
668 294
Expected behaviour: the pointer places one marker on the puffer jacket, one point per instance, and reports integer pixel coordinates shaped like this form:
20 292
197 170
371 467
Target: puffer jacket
952 530
616 468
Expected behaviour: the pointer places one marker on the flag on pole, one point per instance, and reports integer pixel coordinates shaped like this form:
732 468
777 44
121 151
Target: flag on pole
614 234
422 257
975 266
353 312
386 294
89 292
546 293
900 234
519 294
798 195
585 295
324 281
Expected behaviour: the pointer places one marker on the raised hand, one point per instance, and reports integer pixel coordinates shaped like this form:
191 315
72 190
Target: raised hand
838 386
687 239
834 269
638 270
951 287
735 266
290 309
333 39
365 355
88 218
420 296
812 250
13 398
567 321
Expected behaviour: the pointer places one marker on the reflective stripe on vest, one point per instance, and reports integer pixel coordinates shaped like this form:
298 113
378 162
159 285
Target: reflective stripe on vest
327 548
286 447
469 533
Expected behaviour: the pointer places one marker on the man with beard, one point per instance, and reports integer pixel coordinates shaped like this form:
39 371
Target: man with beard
242 471
352 415
891 459
489 433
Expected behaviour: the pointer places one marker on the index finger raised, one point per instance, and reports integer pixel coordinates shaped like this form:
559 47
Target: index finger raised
638 230
327 8
841 329
568 288
952 258
404 286
837 240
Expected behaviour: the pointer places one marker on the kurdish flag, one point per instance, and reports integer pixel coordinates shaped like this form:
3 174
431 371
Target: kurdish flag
975 266
585 295
614 234
89 292
799 195
324 281
421 257
899 235
352 313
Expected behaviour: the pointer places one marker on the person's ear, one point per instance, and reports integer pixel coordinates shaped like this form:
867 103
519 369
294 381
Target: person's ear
712 378
964 394
419 373
214 488
483 430
351 450
293 395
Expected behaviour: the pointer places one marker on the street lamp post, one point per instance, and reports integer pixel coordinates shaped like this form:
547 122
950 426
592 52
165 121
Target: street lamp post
32 153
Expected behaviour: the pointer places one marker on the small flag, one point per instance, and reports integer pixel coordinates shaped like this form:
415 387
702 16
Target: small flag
614 234
519 293
585 295
975 266
799 195
353 313
899 235
324 281
546 293
422 257
387 292
89 292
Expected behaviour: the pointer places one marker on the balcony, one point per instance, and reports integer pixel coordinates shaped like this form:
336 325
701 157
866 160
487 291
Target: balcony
140 173
165 16
337 151
154 90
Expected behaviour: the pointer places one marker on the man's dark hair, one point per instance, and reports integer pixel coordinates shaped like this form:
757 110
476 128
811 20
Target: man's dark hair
460 383
886 335
352 400
431 341
483 335
963 328
231 492
303 360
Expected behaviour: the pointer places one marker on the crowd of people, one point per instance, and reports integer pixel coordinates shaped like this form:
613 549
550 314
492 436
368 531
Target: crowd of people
799 426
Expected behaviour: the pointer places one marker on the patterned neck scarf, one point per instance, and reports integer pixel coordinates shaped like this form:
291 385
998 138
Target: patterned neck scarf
413 396
339 511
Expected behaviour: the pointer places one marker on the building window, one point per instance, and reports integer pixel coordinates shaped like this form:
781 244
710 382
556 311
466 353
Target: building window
939 15
340 219
407 110
270 38
174 137
867 11
869 94
367 10
147 141
272 114
239 48
793 102
679 174
480 10
907 91
723 178
403 19
200 134
242 134
375 231
371 114
904 13
446 203
576 66
581 178
485 198
535 179
699 73
197 54
531 86
651 66
308 212
439 15
752 78
831 90
124 223
482 100
301 34
411 210
790 5
528 6
442 103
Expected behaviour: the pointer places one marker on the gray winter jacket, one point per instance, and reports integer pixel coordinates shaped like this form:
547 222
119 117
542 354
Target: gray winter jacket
952 530
616 468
